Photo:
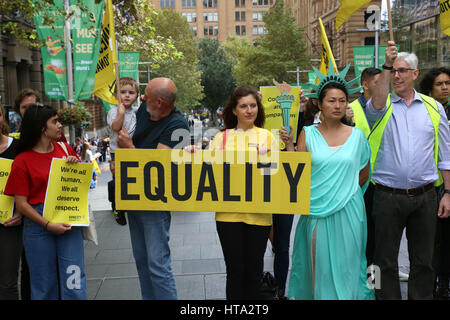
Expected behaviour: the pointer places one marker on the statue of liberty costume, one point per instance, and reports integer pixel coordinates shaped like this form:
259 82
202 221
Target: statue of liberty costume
329 261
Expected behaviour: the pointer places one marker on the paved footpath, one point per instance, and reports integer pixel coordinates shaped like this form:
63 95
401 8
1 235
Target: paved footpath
197 258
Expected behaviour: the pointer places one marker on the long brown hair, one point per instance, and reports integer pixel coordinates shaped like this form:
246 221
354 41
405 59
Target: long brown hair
4 128
230 120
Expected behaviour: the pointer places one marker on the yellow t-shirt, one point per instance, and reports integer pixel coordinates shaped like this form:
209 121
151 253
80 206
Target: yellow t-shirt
245 141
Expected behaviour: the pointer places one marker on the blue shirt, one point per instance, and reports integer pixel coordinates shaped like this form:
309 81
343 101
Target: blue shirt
406 155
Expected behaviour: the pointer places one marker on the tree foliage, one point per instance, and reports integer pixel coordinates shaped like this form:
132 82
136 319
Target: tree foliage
183 71
281 49
217 77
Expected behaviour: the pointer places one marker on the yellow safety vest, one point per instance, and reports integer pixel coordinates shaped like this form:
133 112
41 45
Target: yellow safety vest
377 132
360 117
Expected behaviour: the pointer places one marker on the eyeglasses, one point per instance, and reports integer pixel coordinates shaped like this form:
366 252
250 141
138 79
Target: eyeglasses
401 70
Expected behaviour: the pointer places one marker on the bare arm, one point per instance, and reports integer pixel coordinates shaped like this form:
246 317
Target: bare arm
444 205
381 91
118 121
364 174
27 210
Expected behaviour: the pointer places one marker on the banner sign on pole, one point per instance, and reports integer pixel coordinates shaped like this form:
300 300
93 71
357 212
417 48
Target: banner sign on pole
129 64
86 36
66 199
53 53
364 58
213 181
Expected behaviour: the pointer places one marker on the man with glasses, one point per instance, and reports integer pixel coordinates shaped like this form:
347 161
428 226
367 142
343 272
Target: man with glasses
410 144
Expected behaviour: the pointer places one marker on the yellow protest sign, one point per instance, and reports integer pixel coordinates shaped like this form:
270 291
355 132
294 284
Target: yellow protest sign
66 199
6 202
213 181
273 112
445 16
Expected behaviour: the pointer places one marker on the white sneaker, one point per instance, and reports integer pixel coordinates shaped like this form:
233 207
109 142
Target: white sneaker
403 276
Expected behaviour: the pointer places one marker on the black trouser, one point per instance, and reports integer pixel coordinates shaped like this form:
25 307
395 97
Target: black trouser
282 225
243 247
441 260
391 214
10 252
368 201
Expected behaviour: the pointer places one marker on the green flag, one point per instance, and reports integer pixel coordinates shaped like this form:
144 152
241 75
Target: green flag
86 36
129 64
53 53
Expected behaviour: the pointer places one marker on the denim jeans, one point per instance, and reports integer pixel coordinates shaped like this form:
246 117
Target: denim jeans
149 231
55 262
282 225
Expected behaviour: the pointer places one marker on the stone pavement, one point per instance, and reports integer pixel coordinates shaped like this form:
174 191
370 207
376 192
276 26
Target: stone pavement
197 259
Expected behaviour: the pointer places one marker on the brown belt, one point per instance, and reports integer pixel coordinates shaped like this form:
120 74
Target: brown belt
411 192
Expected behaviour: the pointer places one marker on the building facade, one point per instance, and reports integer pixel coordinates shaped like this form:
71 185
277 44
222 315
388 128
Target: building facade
217 19
307 12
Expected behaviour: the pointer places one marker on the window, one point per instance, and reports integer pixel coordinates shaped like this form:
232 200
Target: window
255 30
183 4
242 15
209 4
188 4
237 16
194 30
238 30
236 3
216 30
258 16
243 30
167 3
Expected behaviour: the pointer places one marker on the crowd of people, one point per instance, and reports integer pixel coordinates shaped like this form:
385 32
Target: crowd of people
379 165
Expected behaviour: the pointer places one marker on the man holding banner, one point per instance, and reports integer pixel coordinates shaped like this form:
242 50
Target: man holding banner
156 120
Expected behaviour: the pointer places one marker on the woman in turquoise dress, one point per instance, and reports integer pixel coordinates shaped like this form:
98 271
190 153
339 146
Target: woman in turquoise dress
329 260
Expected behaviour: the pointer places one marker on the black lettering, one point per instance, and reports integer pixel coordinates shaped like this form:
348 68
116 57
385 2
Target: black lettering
226 185
207 170
293 180
187 181
160 190
248 181
266 167
125 180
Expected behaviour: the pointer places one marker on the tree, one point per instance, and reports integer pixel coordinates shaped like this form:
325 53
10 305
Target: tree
217 78
281 49
183 71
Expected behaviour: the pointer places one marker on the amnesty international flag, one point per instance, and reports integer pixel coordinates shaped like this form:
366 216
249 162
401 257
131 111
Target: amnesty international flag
326 53
347 8
105 75
445 16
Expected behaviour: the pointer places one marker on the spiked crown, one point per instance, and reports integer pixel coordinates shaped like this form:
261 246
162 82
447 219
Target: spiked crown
332 77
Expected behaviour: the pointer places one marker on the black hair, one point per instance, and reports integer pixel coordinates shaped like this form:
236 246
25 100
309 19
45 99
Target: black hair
329 86
229 119
369 73
33 122
426 84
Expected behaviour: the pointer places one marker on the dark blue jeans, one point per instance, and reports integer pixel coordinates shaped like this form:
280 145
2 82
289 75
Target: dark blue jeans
282 225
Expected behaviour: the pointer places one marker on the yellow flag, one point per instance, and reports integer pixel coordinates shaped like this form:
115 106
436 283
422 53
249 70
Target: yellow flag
326 53
105 75
347 8
445 17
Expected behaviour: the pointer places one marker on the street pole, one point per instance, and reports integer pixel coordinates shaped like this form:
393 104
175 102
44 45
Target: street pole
68 45
298 74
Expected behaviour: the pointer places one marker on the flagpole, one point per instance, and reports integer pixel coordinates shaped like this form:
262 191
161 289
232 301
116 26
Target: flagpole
391 32
69 66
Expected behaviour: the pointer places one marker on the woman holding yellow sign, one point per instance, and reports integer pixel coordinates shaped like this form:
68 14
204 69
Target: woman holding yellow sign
10 229
243 236
54 251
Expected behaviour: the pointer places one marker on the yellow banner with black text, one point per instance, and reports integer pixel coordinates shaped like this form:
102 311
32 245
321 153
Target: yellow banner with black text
213 181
